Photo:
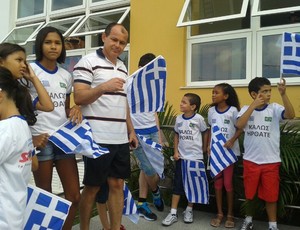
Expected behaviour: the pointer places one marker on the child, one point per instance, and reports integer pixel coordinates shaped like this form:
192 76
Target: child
223 113
50 50
13 57
190 134
260 121
15 149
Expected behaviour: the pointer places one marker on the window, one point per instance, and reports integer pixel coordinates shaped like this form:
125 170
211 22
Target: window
219 60
266 7
235 40
65 26
205 11
22 34
62 4
27 8
95 23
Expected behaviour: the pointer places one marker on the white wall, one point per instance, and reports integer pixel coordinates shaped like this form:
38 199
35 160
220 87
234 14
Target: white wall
6 23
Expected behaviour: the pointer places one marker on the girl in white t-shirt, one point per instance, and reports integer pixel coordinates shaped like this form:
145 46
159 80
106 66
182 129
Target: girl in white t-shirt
16 148
223 114
50 50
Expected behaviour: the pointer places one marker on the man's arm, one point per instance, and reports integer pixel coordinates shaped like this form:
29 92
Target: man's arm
289 112
84 94
133 141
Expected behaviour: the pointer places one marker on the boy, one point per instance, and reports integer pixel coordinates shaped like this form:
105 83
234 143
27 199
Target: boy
190 136
260 121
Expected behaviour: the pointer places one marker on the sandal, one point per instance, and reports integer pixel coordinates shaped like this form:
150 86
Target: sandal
229 223
216 222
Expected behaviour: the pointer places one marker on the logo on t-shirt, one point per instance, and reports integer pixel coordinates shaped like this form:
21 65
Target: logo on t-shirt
226 121
63 85
192 125
45 83
269 119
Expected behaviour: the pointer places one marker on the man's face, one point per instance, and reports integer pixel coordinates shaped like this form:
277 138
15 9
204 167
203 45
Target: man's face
265 93
115 42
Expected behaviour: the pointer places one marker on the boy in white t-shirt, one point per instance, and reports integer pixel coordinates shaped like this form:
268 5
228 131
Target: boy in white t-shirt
260 121
189 141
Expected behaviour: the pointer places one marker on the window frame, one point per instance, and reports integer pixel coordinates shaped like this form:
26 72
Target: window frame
80 9
214 38
76 33
79 18
36 17
185 8
40 24
108 4
256 12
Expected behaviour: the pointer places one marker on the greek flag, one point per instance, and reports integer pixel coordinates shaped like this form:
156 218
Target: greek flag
45 210
153 153
130 209
195 181
290 54
146 87
77 139
220 157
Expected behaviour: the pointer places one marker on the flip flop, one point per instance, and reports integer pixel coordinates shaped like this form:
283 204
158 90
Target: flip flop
229 223
216 222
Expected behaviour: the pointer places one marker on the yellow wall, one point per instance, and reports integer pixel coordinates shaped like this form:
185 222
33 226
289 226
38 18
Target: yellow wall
153 29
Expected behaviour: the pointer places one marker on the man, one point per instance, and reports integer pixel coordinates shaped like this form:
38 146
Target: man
147 125
100 90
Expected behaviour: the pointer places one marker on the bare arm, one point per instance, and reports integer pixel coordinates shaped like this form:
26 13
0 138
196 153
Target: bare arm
84 94
289 112
205 140
176 152
45 103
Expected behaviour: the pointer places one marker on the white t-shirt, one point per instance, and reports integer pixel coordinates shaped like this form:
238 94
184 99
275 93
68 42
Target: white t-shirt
190 131
106 115
262 134
15 171
226 122
58 84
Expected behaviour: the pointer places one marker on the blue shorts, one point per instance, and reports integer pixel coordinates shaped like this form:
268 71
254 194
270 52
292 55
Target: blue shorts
178 188
144 162
52 152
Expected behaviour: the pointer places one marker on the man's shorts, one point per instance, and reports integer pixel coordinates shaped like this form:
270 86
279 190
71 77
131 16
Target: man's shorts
263 179
115 164
144 162
52 152
102 195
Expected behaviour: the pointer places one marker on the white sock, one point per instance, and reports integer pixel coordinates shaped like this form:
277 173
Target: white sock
273 224
173 211
189 209
248 219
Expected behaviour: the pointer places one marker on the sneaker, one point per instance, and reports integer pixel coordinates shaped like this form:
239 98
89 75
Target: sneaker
273 228
188 217
145 211
170 219
246 226
158 202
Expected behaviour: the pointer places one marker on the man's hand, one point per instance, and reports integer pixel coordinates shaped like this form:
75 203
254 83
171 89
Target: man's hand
40 141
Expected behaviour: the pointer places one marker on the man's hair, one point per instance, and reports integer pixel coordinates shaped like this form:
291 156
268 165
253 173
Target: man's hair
111 25
256 83
146 58
194 99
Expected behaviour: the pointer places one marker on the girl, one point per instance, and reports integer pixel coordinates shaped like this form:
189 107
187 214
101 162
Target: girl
50 50
223 114
15 149
13 57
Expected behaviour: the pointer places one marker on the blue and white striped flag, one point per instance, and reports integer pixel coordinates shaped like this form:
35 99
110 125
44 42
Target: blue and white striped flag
77 139
290 54
130 209
220 157
153 153
195 181
45 210
146 87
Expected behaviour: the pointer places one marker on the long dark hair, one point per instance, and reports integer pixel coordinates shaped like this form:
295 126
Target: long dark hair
18 93
40 38
232 99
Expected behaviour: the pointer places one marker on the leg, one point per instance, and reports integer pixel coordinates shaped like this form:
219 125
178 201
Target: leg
271 208
87 201
218 184
102 211
68 174
43 175
143 185
175 201
115 201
